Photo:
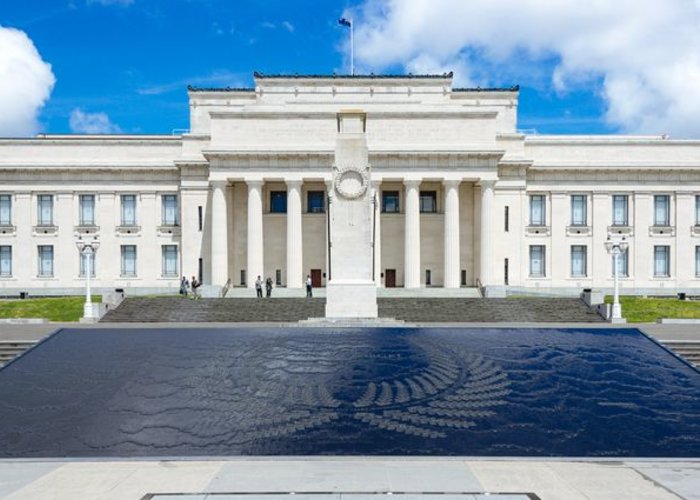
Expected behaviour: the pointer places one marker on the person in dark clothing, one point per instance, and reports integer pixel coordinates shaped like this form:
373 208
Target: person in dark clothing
308 286
268 287
258 287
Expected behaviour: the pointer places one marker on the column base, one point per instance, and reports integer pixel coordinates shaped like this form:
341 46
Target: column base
351 299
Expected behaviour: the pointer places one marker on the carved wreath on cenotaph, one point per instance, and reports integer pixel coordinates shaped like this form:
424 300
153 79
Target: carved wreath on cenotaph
350 182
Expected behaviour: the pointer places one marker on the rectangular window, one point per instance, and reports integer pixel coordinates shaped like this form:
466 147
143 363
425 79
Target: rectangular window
537 262
200 217
428 277
390 202
169 254
315 202
578 261
45 210
662 210
623 262
128 261
697 262
505 271
5 210
5 261
697 210
537 210
620 210
662 268
45 264
87 209
578 210
128 210
242 277
428 202
463 277
83 265
170 217
506 220
278 202
278 277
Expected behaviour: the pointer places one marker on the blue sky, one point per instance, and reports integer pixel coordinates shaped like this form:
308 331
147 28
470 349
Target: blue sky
126 63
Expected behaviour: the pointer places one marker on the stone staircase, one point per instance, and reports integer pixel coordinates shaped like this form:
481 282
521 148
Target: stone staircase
10 349
687 349
410 309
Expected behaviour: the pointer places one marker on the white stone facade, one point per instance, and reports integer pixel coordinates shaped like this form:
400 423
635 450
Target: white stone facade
463 199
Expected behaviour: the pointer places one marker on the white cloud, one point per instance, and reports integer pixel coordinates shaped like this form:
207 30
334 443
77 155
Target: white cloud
121 3
288 26
645 53
214 79
26 82
92 123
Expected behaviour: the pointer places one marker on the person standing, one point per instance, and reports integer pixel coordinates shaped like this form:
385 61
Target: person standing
308 286
258 287
268 287
184 285
195 285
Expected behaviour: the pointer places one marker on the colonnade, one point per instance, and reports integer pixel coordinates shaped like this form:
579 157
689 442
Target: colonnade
412 234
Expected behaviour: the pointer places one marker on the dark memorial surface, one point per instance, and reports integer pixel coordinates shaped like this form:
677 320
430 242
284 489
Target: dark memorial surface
366 391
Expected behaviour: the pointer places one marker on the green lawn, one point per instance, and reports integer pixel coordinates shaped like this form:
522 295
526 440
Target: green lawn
53 309
648 310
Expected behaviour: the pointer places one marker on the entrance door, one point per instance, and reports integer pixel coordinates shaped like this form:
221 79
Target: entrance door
390 278
316 278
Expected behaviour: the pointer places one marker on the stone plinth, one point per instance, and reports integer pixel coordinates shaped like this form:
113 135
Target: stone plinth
351 291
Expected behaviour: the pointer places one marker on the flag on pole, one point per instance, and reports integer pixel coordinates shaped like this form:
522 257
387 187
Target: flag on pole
344 22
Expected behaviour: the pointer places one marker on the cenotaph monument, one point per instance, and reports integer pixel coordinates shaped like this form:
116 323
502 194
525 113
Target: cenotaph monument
351 291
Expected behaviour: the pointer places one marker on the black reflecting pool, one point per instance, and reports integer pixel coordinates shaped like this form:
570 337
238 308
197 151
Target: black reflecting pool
366 391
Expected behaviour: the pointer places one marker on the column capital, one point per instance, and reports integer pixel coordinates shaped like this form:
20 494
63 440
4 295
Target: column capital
218 184
451 183
412 183
254 183
294 183
487 183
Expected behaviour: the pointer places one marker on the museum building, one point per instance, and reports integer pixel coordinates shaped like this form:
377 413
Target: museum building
461 197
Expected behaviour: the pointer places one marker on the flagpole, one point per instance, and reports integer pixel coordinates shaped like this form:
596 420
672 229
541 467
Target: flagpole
352 48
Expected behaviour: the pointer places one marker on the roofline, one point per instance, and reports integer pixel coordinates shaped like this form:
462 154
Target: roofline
514 88
261 76
192 88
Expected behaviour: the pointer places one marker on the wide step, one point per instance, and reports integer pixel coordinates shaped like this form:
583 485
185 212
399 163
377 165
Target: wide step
413 310
10 349
687 349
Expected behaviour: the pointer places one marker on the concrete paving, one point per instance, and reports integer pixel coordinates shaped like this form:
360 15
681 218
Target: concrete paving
547 480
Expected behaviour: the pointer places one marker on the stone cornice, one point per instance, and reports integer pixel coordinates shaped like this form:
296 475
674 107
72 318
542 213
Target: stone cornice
88 166
611 140
287 114
615 165
93 140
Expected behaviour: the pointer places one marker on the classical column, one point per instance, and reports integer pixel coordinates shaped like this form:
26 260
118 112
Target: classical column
377 193
412 235
255 232
486 228
294 235
452 278
219 247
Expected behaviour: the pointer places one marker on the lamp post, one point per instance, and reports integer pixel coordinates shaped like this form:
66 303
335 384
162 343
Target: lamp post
88 250
616 248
